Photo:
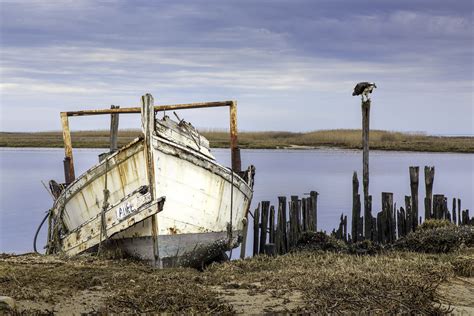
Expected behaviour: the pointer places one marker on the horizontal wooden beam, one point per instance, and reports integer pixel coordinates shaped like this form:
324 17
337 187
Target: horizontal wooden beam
169 107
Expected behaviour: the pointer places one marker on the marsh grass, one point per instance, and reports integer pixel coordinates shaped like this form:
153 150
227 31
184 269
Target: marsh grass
392 282
341 138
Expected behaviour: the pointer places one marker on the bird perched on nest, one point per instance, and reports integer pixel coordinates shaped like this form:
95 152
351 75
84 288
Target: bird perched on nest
363 89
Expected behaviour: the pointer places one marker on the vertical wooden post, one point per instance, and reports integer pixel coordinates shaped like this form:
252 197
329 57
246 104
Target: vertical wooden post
438 201
344 231
314 209
278 232
459 212
380 227
365 164
388 224
256 220
271 237
454 211
270 249
304 214
69 175
414 173
294 224
446 214
283 221
148 129
114 124
264 226
429 178
409 213
243 245
234 150
355 208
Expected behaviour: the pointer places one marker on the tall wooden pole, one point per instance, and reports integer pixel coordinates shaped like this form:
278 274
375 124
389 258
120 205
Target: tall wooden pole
365 170
234 149
148 129
114 124
69 175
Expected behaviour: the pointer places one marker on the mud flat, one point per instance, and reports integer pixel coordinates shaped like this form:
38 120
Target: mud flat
304 281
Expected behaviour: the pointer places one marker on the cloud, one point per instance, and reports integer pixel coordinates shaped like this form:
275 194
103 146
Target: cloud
267 55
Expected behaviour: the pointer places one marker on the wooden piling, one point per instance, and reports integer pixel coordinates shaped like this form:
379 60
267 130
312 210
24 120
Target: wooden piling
264 226
365 164
114 124
270 249
459 212
388 224
356 234
438 200
345 228
371 229
314 210
294 225
454 211
429 178
304 213
283 224
271 238
414 175
256 223
380 230
243 244
446 213
409 215
402 223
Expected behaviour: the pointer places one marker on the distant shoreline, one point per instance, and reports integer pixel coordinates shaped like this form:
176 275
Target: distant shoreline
343 139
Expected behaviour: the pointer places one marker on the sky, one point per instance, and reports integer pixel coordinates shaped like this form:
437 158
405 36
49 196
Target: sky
291 65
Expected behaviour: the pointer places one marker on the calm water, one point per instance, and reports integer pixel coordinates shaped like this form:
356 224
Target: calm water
24 201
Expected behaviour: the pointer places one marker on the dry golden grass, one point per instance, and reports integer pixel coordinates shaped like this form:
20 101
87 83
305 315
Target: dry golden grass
382 140
389 283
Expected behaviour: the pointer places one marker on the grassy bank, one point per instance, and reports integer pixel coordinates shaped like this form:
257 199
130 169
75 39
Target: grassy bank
320 275
351 139
307 281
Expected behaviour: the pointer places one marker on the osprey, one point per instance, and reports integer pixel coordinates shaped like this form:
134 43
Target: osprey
364 88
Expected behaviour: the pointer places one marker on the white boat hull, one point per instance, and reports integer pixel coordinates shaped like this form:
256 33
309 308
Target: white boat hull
203 212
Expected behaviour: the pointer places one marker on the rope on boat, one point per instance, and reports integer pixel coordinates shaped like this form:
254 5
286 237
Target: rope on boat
38 230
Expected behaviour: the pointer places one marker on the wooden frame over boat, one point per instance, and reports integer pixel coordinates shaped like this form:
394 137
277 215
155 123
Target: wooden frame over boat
162 198
69 162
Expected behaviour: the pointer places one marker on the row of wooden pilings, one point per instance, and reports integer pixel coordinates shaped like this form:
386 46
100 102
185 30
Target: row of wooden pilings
392 223
277 237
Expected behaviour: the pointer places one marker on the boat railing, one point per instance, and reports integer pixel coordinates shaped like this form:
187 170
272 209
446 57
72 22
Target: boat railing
114 111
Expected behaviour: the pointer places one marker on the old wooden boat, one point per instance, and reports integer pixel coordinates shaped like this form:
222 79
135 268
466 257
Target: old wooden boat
162 198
